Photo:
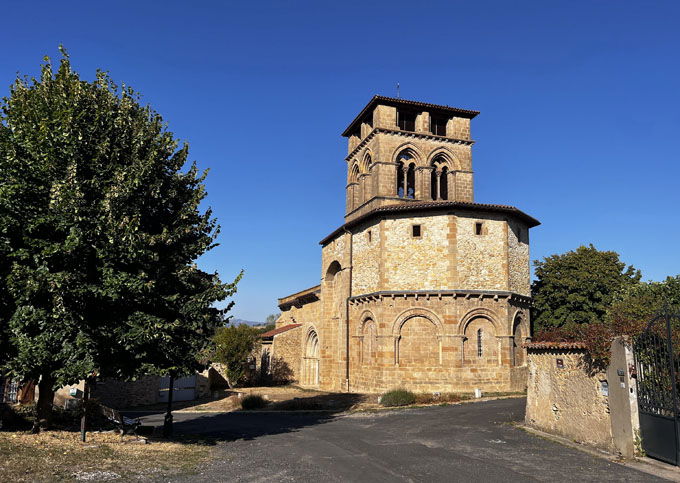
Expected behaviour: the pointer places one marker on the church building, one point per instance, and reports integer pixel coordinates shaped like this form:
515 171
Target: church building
421 288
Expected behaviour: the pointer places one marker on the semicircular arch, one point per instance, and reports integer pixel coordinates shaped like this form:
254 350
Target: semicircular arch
488 314
410 149
417 312
364 318
446 154
519 318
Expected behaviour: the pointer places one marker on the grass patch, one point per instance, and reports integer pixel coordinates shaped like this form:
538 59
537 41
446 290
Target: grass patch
442 398
253 401
504 394
398 397
60 455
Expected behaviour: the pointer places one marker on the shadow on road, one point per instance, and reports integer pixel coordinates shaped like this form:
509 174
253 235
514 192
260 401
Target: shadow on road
208 428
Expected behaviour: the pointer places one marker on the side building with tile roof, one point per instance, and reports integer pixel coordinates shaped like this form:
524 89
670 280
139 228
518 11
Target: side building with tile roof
421 287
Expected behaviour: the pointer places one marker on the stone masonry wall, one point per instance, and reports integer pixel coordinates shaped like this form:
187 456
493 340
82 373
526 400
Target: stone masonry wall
410 263
518 258
429 343
448 254
309 312
287 347
367 246
482 259
116 394
332 328
567 400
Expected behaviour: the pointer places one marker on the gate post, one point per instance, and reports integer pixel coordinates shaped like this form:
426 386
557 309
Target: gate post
674 383
622 398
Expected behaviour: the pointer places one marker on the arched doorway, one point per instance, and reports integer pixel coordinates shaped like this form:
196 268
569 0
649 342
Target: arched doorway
311 359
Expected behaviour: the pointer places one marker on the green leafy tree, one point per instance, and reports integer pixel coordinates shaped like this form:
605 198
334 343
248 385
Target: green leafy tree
100 228
234 348
643 301
578 287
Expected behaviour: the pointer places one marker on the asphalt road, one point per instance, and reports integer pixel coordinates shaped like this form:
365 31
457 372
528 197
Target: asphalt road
468 442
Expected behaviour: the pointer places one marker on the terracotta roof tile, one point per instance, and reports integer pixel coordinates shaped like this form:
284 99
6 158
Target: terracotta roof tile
280 330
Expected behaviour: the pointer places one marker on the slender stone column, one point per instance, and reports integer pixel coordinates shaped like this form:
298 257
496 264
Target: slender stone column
438 175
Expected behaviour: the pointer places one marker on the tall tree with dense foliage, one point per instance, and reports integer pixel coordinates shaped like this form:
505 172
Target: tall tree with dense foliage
100 228
643 301
234 348
578 287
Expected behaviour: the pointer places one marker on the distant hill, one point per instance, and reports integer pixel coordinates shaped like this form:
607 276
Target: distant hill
235 322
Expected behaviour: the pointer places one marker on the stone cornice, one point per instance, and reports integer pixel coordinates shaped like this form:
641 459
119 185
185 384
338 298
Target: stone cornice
387 211
429 294
298 299
395 198
412 134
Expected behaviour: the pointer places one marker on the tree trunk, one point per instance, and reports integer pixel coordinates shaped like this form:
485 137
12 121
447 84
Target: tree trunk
43 408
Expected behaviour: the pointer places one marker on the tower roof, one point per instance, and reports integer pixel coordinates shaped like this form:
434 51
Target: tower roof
393 101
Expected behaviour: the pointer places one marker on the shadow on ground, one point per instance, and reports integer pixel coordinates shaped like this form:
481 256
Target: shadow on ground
279 417
334 402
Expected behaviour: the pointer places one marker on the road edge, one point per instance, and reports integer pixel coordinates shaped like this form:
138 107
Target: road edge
645 465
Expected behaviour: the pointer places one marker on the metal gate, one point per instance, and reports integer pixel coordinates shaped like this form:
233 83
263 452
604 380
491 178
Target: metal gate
657 364
184 389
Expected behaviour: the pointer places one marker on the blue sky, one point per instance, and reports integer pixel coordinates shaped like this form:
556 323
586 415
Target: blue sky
579 101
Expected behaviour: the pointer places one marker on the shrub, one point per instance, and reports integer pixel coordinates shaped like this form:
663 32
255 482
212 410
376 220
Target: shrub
253 401
398 397
15 417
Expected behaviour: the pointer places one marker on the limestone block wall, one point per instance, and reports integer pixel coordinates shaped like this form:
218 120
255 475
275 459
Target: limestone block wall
331 329
297 314
518 258
367 251
430 343
411 263
448 254
564 398
287 347
482 262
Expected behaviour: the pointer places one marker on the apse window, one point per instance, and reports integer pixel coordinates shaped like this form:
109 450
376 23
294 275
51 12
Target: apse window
369 236
479 228
415 231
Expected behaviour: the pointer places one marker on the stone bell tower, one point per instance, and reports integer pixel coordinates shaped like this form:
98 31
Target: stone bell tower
402 151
